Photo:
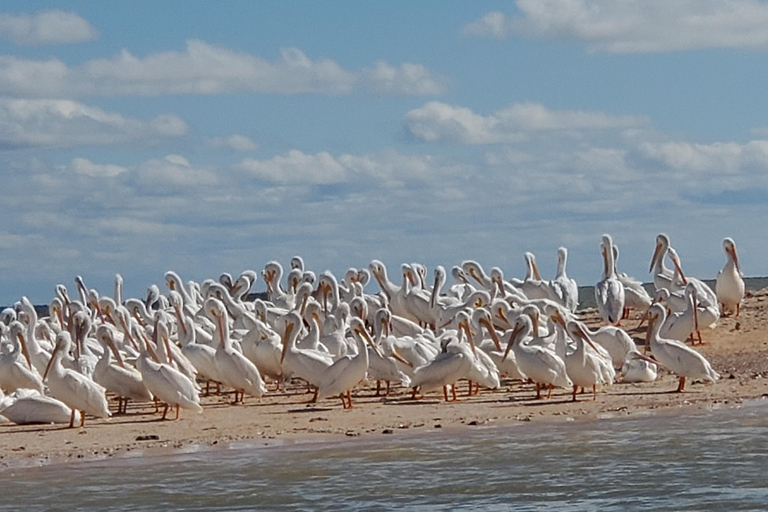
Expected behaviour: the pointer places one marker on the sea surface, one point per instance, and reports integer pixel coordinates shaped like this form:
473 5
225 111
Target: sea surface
712 460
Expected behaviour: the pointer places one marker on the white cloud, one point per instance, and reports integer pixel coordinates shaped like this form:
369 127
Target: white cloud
202 68
296 167
634 26
65 123
409 79
171 172
47 27
436 121
235 142
88 168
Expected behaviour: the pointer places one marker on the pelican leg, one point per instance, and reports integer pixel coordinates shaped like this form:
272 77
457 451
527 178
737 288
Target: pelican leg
343 404
698 333
453 391
165 411
314 397
157 406
445 392
538 391
207 387
178 407
594 392
72 420
738 308
378 388
413 395
82 419
549 394
575 388
469 391
681 386
349 399
387 393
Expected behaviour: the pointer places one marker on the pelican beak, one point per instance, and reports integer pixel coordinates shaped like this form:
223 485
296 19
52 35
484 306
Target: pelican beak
286 337
676 262
535 270
400 358
736 259
474 275
656 254
511 341
433 296
53 358
492 332
367 337
470 337
25 350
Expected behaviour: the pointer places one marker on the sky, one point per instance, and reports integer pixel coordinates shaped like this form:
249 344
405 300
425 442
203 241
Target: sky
138 137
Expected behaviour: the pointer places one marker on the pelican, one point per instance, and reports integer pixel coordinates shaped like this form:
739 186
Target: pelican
662 276
678 357
124 381
15 368
585 369
609 292
635 296
538 364
76 390
309 365
637 368
679 325
235 370
28 406
533 286
563 289
452 364
729 286
167 384
262 346
347 372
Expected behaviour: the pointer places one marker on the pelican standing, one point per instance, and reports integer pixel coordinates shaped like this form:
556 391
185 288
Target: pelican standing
347 372
729 286
74 389
16 371
540 365
124 381
563 289
678 357
609 292
235 370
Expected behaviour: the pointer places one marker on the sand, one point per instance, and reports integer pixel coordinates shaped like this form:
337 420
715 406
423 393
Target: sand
737 349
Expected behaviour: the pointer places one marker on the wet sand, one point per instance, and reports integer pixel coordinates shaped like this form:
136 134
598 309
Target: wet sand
737 349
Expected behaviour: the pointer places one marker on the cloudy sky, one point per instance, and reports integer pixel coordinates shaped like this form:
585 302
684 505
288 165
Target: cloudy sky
137 137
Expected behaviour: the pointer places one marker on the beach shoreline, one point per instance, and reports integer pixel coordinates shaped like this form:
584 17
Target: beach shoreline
737 349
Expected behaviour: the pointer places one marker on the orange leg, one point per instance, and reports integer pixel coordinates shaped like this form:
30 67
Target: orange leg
681 386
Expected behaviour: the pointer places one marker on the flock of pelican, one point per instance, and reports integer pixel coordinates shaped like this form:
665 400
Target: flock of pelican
332 334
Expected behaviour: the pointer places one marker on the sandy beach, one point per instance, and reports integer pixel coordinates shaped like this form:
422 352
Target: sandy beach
737 349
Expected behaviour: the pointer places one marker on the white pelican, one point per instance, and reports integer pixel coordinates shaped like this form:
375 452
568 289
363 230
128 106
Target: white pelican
262 346
235 370
585 367
455 362
492 346
706 300
562 288
729 286
202 357
678 357
662 276
167 384
538 364
124 381
347 372
533 286
680 325
76 390
609 292
28 406
635 296
614 340
637 368
15 368
309 365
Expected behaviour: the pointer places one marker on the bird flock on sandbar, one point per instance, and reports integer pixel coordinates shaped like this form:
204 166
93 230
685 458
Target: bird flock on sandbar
423 335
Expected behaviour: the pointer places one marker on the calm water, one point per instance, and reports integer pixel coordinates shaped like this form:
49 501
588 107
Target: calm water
715 460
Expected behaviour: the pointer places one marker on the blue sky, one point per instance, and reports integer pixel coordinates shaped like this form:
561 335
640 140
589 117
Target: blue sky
138 137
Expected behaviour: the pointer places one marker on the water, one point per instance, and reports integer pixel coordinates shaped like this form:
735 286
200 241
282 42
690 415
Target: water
712 460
